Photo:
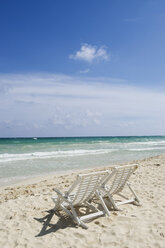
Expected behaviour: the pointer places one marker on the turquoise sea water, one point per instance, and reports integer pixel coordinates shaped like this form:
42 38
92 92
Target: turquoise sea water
22 158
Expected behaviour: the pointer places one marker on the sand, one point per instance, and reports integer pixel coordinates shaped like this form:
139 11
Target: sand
26 219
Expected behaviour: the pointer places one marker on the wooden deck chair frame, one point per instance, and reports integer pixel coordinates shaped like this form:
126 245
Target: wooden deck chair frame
80 194
114 184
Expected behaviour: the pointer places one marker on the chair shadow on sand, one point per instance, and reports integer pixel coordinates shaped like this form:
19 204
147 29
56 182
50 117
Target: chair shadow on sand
64 221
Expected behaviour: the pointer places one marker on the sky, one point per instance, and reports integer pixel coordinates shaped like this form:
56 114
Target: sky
82 68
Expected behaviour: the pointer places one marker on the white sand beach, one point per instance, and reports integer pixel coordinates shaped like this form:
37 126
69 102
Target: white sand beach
26 219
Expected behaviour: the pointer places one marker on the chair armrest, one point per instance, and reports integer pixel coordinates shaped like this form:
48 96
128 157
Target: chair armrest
64 196
58 192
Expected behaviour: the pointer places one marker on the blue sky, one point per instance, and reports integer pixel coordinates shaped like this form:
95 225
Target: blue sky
81 68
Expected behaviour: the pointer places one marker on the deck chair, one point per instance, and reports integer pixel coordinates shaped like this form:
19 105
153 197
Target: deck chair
114 184
80 194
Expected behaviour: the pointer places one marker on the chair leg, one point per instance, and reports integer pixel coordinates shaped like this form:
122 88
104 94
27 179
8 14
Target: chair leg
83 225
137 201
74 216
112 202
102 203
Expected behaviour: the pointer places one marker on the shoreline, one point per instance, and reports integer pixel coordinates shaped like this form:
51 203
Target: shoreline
30 182
22 159
28 222
38 178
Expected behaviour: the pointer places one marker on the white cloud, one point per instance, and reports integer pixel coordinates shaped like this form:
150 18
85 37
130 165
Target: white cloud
84 71
60 105
90 53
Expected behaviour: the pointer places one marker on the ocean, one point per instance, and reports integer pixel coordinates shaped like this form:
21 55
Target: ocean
23 158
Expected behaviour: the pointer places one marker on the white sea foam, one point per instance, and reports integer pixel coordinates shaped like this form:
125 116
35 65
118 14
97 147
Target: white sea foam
24 158
139 145
6 157
146 149
9 157
146 143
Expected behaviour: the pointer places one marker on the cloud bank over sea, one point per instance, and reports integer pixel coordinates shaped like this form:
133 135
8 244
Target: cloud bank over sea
62 105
